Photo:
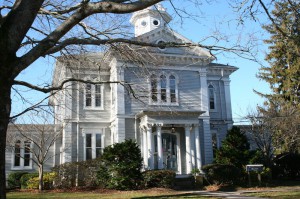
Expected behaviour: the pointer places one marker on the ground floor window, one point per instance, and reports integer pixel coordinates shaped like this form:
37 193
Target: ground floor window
93 145
22 157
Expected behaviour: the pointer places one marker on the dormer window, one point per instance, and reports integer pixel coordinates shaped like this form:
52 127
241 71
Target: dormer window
164 89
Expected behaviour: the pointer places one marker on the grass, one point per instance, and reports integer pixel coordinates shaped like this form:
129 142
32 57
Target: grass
115 195
277 194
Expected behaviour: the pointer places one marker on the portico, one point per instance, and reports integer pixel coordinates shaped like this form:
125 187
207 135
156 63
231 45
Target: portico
171 140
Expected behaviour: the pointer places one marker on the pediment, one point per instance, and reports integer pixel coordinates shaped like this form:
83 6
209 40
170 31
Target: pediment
166 35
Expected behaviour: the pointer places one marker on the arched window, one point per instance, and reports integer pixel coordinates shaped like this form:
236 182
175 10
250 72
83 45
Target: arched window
22 155
163 88
93 97
211 95
172 86
153 88
88 95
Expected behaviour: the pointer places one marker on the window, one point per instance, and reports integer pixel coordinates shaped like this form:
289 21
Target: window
172 80
154 88
93 96
93 145
163 89
211 94
22 155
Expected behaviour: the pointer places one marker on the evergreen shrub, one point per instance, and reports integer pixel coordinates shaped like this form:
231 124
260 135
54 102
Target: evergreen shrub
159 178
223 174
121 166
13 179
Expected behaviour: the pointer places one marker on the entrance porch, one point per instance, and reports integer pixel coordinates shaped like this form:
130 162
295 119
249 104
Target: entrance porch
171 141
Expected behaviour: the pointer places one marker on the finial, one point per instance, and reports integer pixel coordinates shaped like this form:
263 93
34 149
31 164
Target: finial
160 7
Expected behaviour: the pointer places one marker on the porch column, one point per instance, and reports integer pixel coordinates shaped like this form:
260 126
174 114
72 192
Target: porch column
188 148
150 148
198 148
159 147
145 148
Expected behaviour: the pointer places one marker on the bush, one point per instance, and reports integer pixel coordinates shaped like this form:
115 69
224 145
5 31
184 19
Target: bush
13 179
159 178
48 179
221 174
234 150
121 168
66 174
286 166
24 179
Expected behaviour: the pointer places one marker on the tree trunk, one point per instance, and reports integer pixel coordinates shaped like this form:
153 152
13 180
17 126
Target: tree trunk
41 175
5 108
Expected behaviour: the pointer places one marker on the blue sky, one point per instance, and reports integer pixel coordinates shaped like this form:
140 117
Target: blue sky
216 19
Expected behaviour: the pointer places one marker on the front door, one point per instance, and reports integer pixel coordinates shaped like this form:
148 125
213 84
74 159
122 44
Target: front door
169 151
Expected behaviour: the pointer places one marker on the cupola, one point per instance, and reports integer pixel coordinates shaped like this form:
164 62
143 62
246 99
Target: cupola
149 19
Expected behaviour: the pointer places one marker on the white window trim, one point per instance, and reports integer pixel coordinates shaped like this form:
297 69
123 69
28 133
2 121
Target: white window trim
168 102
93 92
22 151
215 96
93 133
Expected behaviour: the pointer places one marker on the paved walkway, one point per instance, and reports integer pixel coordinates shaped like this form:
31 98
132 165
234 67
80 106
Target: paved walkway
240 194
225 194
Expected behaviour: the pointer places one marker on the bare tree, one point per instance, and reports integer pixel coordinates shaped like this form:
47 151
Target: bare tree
33 29
40 136
261 135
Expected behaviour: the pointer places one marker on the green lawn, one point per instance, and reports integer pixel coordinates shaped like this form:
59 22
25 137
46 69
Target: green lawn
278 194
121 195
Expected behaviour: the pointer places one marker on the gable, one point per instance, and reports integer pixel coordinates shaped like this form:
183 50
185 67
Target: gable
166 35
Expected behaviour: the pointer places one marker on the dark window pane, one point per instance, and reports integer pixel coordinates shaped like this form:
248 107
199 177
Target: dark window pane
211 97
97 95
98 140
98 152
27 160
88 140
88 95
26 147
163 95
88 154
153 88
17 160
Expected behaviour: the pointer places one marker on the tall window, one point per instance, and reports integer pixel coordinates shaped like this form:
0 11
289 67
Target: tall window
164 89
22 154
88 95
211 97
93 96
172 88
153 88
93 145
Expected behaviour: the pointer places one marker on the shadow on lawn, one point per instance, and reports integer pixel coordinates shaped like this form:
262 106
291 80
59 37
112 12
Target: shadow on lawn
189 195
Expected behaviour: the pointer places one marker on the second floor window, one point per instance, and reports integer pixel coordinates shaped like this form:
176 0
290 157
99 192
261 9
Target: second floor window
163 89
93 96
211 94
